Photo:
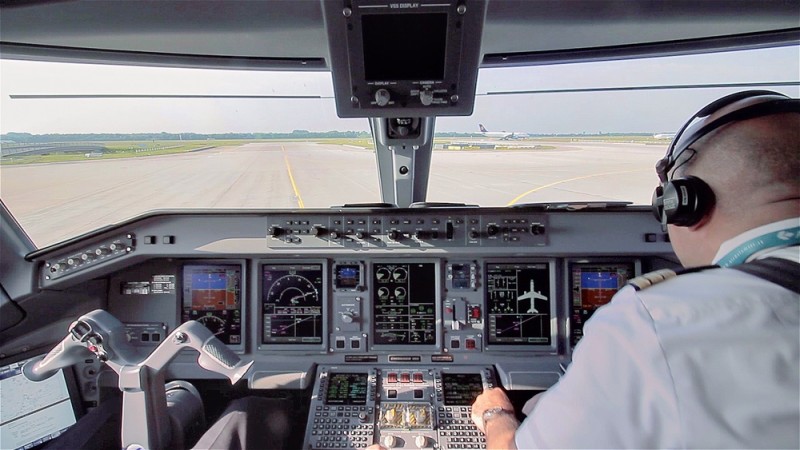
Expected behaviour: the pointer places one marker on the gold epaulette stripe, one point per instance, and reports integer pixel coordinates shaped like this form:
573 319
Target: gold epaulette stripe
649 279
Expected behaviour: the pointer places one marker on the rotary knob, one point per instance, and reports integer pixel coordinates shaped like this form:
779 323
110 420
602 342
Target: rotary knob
390 441
347 317
317 230
394 235
334 234
275 231
537 229
421 441
382 97
361 234
426 97
492 230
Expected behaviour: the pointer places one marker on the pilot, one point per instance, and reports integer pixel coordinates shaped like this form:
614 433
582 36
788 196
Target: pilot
709 357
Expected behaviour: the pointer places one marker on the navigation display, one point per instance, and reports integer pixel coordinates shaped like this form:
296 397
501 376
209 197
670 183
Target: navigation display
592 285
461 389
518 302
347 389
212 295
404 299
291 304
32 412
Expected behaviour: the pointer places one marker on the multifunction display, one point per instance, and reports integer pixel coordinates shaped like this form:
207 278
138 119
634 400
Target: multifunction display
592 285
291 303
212 295
404 303
347 389
461 389
519 304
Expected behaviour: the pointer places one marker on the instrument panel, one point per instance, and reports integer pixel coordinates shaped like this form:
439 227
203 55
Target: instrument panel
292 290
394 319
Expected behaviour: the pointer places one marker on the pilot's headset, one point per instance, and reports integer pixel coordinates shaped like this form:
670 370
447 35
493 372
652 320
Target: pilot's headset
685 201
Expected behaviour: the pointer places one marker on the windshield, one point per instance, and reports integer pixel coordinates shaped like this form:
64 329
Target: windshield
84 146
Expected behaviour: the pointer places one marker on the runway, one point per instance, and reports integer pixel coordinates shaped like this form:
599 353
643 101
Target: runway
57 201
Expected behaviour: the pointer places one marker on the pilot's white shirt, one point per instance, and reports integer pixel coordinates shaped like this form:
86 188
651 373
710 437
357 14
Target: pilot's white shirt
704 360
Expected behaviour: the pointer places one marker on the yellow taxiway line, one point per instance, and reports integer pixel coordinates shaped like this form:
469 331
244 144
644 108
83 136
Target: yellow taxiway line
291 178
519 197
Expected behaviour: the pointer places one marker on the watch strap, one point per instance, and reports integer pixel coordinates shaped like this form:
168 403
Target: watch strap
492 413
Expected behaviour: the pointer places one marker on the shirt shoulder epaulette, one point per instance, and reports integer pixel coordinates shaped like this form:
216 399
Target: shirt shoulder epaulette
661 275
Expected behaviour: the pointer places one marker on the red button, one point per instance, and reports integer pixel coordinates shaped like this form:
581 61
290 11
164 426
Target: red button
392 377
418 377
476 312
470 344
405 377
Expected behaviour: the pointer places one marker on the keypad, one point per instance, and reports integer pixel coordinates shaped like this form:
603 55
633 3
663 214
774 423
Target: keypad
456 430
341 427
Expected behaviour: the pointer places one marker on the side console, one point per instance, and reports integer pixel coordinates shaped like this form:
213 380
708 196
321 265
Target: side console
413 408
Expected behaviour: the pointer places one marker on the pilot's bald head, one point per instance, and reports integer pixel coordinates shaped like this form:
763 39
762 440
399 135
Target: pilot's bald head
753 167
751 164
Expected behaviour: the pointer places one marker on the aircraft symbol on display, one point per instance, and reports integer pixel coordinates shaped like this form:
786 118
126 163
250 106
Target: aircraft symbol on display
531 295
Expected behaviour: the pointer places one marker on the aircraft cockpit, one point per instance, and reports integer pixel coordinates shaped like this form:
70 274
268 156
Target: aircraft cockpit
169 248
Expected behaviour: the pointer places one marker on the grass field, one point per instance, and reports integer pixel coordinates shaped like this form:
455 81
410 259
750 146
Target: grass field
138 149
124 149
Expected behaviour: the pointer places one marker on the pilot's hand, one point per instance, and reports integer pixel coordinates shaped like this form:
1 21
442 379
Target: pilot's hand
490 398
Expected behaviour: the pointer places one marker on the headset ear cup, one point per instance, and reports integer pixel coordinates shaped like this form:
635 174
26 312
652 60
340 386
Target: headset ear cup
657 203
686 201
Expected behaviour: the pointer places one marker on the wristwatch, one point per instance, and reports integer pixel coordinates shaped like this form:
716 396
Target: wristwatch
492 413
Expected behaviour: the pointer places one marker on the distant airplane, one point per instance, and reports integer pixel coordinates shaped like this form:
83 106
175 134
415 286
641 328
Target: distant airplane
532 295
503 135
664 135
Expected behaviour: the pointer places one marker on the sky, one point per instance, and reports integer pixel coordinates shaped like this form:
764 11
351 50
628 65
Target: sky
603 112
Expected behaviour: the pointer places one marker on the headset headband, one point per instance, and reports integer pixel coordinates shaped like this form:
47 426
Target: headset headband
735 107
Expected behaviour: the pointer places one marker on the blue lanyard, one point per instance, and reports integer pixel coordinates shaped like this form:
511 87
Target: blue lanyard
782 238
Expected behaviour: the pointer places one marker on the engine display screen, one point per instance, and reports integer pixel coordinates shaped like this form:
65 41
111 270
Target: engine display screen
518 302
291 304
346 389
212 295
592 285
404 46
404 301
461 389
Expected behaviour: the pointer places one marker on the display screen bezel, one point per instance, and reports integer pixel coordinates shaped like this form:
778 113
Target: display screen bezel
348 400
447 384
277 345
71 385
569 264
553 308
437 275
359 279
243 294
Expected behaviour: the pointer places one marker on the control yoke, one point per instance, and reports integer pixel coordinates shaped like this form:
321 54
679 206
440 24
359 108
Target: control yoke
100 334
